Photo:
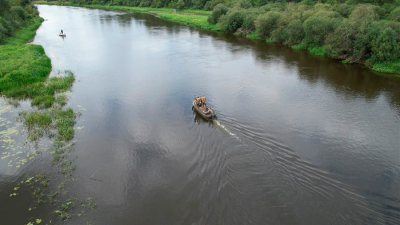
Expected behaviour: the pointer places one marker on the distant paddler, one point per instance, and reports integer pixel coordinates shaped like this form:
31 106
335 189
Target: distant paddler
62 33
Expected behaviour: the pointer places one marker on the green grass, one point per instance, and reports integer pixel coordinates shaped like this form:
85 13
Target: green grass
190 17
270 40
300 46
318 50
387 67
197 21
24 69
25 34
43 93
253 35
53 122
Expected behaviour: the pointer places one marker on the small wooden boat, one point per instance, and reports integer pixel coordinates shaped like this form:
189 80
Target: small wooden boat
208 116
62 35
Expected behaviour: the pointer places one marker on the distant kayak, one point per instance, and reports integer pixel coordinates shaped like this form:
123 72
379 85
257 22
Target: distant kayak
202 111
63 35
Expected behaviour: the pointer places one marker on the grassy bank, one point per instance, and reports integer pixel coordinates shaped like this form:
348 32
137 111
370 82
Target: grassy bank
190 17
333 30
24 75
22 65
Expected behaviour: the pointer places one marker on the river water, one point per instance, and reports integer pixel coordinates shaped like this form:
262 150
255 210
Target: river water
299 139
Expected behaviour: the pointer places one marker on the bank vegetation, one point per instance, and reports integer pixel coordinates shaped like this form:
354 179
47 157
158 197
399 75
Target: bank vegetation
353 31
24 75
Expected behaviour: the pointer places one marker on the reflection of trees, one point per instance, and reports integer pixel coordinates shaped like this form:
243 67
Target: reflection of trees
344 79
151 22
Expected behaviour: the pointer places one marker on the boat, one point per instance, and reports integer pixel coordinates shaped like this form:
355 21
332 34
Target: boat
208 116
62 35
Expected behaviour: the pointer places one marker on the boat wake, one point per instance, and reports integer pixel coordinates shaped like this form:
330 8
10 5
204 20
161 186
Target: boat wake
216 122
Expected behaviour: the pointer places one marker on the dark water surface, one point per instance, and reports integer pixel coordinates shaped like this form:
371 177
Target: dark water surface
299 139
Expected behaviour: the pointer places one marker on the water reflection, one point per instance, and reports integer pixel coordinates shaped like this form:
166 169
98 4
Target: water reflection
299 139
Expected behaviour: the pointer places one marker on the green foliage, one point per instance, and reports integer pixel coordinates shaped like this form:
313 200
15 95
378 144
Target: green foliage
296 32
387 67
364 12
386 47
395 14
13 16
249 18
232 21
344 10
210 5
266 23
316 28
318 50
191 20
360 31
218 11
281 35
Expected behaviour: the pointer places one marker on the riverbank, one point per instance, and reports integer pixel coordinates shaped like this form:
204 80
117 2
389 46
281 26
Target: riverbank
201 18
24 75
193 18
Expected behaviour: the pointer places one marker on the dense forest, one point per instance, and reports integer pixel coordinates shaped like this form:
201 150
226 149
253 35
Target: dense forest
13 15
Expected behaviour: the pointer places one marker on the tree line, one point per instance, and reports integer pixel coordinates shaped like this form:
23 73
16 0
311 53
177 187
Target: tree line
354 31
13 15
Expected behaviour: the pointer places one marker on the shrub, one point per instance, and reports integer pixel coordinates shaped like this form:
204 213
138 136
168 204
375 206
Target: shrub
210 5
296 32
340 42
244 4
232 21
19 12
248 20
281 35
266 23
344 10
386 46
364 12
216 14
317 28
395 14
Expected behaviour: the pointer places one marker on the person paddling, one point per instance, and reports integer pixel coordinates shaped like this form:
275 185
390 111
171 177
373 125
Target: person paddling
62 32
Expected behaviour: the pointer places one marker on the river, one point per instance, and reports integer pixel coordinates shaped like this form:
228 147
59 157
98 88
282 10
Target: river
299 139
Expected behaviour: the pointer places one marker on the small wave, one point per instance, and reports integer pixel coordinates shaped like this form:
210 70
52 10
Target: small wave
216 122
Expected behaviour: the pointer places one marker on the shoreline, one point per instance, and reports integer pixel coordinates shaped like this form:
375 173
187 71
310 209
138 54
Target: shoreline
25 76
198 19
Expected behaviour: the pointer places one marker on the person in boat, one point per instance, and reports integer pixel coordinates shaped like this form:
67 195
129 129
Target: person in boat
203 101
207 110
198 101
62 32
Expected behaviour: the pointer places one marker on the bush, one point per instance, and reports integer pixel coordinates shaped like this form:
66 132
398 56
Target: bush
387 46
266 23
248 21
317 28
19 12
340 42
180 4
210 5
296 32
232 21
216 14
344 10
395 14
281 35
244 4
364 12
